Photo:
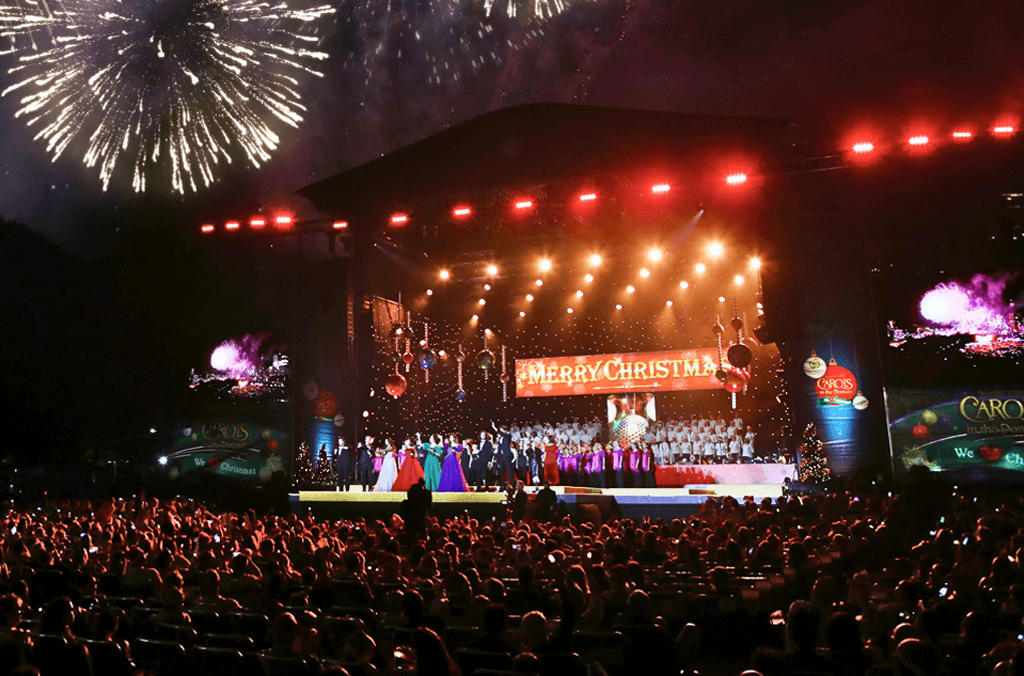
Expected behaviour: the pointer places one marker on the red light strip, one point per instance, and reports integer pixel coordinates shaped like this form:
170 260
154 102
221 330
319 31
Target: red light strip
863 147
339 225
398 219
257 223
461 211
207 229
588 197
524 204
962 134
660 188
1003 130
736 179
232 225
917 140
283 220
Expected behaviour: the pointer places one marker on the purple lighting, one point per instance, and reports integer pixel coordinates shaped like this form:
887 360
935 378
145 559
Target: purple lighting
973 308
238 357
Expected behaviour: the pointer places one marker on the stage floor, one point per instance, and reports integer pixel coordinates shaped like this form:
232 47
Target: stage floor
610 502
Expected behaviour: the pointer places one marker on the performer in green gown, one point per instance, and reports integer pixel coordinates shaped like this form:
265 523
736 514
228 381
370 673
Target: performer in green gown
432 465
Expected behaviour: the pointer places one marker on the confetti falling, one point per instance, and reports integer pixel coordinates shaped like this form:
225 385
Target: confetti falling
173 88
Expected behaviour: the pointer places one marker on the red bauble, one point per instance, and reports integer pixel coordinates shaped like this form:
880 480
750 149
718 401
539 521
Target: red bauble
325 405
990 453
272 445
407 358
921 432
734 381
395 384
837 382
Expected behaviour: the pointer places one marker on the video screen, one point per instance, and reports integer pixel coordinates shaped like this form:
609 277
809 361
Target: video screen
252 367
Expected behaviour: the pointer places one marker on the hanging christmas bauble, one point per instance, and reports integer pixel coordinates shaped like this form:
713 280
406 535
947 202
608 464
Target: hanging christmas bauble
484 359
397 330
734 381
836 386
736 323
427 359
717 329
407 358
460 395
395 384
860 402
721 374
504 378
339 420
815 366
325 405
740 356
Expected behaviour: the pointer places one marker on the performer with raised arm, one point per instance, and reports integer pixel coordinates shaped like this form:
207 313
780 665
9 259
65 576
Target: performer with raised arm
343 465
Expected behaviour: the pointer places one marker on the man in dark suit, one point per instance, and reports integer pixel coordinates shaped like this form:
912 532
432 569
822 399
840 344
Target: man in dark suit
364 465
343 465
485 457
506 467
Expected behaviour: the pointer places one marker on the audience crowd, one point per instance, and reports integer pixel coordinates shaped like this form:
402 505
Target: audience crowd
927 581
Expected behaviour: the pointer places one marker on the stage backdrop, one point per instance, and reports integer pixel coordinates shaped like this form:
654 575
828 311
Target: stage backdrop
607 373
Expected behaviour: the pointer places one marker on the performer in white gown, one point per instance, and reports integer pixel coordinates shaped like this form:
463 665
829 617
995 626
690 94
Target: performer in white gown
388 469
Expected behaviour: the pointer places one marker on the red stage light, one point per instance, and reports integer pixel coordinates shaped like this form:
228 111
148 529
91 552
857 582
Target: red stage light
588 197
962 134
660 188
1003 130
339 225
461 211
232 225
524 204
917 140
736 179
863 147
283 220
207 228
398 219
257 223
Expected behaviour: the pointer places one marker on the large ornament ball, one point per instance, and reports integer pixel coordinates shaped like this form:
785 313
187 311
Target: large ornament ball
395 384
717 329
734 382
740 356
339 420
186 432
815 367
407 358
929 418
325 405
860 402
272 445
460 395
736 323
310 391
921 432
484 359
504 378
427 359
721 375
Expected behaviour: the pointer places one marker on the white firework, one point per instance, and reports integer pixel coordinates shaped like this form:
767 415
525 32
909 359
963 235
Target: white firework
174 87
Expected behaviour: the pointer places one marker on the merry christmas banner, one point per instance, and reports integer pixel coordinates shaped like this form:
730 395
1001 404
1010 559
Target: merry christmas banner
970 434
608 373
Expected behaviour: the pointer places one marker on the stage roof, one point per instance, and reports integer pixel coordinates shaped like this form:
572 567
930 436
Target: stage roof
538 143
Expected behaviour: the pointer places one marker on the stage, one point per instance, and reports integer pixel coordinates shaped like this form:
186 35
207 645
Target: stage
593 504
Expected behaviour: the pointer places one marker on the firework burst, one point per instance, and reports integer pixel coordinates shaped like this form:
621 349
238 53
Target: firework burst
172 87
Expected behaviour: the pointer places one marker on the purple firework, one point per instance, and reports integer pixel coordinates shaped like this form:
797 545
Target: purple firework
238 358
976 307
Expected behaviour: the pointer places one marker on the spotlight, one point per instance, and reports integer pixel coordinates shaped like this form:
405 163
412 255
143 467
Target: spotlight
529 297
962 134
339 225
654 254
589 278
545 264
569 310
481 302
645 273
475 317
1003 130
430 292
524 204
492 270
579 294
207 228
917 140
630 289
660 188
738 279
162 460
398 219
487 287
684 284
668 303
588 197
366 414
618 307
283 220
701 268
863 147
540 282
522 314
445 274
755 263
232 225
442 354
595 260
487 331
257 223
736 179
721 299
458 212
715 249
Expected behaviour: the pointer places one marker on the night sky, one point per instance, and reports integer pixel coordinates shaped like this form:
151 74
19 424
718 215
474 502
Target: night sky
828 65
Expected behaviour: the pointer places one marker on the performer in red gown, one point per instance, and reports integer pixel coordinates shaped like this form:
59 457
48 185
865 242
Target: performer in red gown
409 473
550 462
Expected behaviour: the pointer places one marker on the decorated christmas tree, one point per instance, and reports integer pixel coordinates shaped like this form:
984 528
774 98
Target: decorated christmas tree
813 463
324 473
303 475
